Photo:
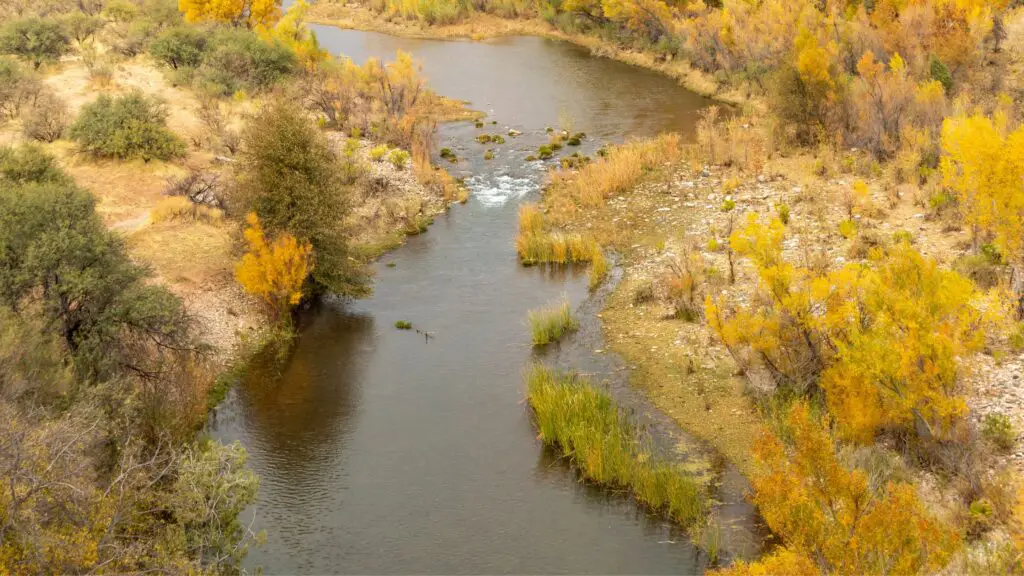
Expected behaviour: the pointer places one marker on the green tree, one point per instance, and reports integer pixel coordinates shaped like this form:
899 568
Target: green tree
294 182
37 40
180 46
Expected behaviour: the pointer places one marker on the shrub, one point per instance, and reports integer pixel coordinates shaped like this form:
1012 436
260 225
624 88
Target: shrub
643 293
273 270
939 72
25 164
80 26
998 430
551 323
684 285
37 40
399 158
130 126
378 152
47 119
16 87
181 46
782 209
239 60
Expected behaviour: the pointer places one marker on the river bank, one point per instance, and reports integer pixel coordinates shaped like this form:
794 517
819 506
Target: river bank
482 26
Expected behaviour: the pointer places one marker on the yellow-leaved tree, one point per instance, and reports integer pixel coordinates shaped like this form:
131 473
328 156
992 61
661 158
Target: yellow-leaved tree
883 339
291 31
255 14
274 271
830 517
983 163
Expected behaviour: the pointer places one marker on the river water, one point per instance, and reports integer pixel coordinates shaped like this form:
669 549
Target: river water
382 451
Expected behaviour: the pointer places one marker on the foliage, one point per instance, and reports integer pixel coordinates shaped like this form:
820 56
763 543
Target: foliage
537 245
181 46
125 127
295 184
399 158
274 271
378 152
38 40
983 163
29 164
235 60
828 516
586 425
998 430
251 13
17 88
551 323
883 338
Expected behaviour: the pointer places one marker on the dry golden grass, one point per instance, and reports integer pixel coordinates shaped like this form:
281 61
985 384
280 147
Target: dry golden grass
188 254
179 208
537 245
618 171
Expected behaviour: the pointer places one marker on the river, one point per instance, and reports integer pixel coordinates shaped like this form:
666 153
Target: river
381 451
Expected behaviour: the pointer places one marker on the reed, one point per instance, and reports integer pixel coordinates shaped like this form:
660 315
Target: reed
549 324
586 426
536 245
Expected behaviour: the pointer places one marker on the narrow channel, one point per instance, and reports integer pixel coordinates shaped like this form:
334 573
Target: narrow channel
383 452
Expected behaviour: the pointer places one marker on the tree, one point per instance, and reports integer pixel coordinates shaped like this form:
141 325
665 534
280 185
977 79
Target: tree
830 516
180 46
274 271
255 14
126 127
292 179
38 40
56 254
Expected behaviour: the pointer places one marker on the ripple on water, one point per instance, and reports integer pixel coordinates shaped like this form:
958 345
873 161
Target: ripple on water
497 189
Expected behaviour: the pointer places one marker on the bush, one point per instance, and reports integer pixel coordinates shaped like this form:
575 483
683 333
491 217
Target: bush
29 164
998 430
181 46
47 119
37 40
399 158
130 126
377 152
239 60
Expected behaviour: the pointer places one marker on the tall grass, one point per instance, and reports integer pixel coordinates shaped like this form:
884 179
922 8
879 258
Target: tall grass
586 425
536 245
598 269
551 323
618 171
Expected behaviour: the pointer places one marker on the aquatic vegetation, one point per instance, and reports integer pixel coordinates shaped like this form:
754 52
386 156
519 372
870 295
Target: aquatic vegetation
574 162
545 152
484 138
489 154
586 426
598 268
549 324
403 325
574 141
537 245
531 158
448 155
498 139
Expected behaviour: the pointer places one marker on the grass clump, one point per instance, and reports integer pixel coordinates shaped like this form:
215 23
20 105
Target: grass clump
180 208
617 170
535 244
586 426
998 430
598 268
549 324
447 154
403 325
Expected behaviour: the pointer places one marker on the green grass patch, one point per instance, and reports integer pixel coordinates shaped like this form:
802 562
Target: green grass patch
586 425
551 323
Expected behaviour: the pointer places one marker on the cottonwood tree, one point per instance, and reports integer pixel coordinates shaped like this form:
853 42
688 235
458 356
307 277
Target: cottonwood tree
273 270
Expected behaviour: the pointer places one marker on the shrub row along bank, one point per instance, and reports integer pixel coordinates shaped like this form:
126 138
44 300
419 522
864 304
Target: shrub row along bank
586 425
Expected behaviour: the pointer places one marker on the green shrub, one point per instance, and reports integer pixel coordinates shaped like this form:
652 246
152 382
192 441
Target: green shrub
239 60
29 164
17 87
129 126
399 158
37 40
80 26
378 152
938 71
783 209
998 430
181 46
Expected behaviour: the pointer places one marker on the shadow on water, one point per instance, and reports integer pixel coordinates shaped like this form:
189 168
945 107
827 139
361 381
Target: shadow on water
382 452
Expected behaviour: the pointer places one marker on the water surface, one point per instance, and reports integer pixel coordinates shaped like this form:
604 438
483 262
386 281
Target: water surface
384 451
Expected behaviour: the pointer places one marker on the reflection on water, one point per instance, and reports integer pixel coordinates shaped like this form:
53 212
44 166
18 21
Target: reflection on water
381 452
